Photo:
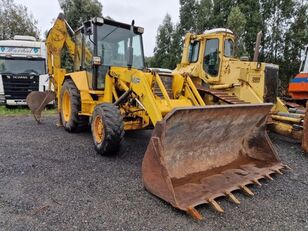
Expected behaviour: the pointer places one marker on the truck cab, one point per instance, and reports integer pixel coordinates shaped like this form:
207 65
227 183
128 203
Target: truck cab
22 69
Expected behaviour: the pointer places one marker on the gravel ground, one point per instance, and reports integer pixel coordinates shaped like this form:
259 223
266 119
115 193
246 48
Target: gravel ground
53 180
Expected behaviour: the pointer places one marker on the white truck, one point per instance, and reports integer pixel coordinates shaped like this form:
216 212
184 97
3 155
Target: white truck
22 69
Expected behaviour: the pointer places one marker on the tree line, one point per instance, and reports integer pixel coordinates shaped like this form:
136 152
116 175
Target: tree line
16 19
284 24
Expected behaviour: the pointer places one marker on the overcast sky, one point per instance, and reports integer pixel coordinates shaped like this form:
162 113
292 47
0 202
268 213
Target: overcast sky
146 13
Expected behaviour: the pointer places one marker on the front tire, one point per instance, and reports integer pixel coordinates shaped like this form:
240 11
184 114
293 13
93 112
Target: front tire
70 107
107 129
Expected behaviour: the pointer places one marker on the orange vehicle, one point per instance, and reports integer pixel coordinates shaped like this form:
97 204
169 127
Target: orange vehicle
298 87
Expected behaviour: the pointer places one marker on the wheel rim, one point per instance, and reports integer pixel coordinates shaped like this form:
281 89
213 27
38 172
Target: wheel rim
98 129
66 106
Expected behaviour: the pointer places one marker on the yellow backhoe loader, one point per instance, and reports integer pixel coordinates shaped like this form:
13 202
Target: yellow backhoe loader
196 153
209 60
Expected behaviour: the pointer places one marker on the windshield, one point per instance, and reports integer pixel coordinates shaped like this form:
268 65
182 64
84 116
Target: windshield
113 43
229 48
22 66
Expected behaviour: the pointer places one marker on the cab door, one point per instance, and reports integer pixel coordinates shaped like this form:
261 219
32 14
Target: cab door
211 59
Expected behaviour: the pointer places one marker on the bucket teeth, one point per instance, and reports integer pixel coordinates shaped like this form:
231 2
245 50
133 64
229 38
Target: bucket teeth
194 213
278 171
287 167
256 182
247 190
233 198
268 177
216 206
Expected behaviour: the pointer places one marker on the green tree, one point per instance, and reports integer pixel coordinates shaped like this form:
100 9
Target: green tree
176 47
253 24
236 22
277 16
15 19
238 14
79 11
284 24
188 12
149 61
76 13
189 9
204 16
163 55
220 12
295 39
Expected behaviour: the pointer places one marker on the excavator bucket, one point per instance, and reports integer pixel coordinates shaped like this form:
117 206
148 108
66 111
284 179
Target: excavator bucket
37 101
198 154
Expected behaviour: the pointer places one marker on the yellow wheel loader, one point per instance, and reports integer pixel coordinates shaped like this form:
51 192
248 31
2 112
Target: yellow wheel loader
221 78
196 153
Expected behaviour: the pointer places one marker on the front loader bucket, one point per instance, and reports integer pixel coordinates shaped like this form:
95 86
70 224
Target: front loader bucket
37 101
197 154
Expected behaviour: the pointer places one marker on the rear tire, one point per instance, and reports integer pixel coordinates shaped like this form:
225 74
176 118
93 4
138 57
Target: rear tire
107 129
70 107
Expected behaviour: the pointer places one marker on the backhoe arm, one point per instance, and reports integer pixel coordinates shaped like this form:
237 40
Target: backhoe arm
58 36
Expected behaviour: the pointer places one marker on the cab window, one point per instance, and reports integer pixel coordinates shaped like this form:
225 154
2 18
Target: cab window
211 57
229 48
77 57
194 51
87 56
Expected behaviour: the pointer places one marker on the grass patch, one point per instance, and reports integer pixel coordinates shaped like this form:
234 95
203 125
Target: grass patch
18 110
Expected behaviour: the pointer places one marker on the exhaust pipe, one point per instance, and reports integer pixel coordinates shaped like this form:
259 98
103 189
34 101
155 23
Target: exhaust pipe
257 47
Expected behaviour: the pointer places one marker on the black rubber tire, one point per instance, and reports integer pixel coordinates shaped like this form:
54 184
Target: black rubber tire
113 129
76 122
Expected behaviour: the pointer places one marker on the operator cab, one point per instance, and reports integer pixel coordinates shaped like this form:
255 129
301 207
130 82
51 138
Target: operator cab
103 43
209 48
